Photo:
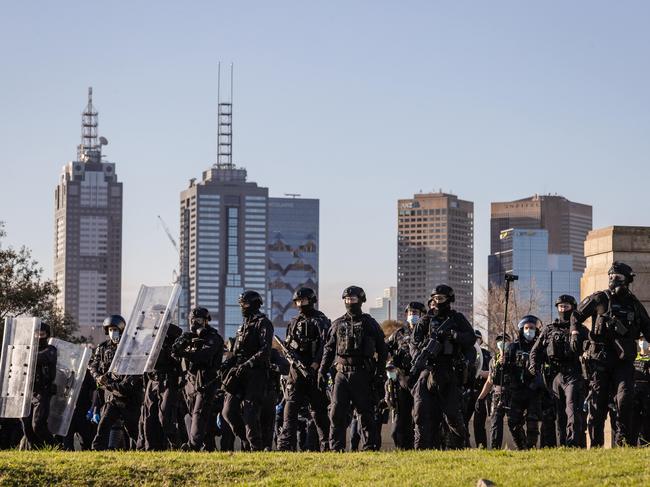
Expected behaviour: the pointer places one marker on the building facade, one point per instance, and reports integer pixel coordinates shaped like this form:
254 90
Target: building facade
293 246
435 245
88 233
386 307
567 223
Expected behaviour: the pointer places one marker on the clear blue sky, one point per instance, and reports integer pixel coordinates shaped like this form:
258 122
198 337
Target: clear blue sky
356 103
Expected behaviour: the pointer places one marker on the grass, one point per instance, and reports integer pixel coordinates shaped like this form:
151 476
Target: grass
617 467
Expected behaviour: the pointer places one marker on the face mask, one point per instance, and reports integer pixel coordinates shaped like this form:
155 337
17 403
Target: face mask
353 308
114 335
564 315
529 335
500 346
392 374
196 326
42 343
643 345
617 283
413 320
306 308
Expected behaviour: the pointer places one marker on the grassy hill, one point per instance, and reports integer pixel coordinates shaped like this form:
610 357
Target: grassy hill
616 467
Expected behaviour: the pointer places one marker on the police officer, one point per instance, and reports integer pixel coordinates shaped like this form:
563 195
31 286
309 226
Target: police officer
246 384
559 348
162 396
525 387
306 335
641 420
439 349
35 428
122 393
356 347
618 319
201 353
398 394
496 382
479 408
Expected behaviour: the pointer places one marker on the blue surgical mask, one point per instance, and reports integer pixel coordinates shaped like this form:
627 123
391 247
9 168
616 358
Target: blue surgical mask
413 319
114 335
529 335
500 345
392 374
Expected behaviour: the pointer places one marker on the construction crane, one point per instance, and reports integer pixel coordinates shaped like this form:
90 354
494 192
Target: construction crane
169 234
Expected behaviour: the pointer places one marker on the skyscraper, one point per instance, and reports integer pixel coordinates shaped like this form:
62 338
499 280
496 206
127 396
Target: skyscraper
293 254
435 245
567 223
88 232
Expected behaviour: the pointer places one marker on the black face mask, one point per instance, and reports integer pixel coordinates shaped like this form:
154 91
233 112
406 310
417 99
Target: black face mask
42 343
196 326
617 286
442 308
565 315
353 308
306 309
249 311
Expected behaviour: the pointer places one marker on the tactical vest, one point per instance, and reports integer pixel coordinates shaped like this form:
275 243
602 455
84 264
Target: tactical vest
304 336
558 348
247 339
642 367
434 324
352 340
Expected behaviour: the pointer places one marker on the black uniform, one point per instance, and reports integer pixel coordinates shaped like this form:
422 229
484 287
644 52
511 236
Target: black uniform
201 353
279 367
81 426
560 351
251 358
617 322
478 409
122 396
437 393
641 419
398 394
499 401
524 393
306 336
35 427
161 398
352 344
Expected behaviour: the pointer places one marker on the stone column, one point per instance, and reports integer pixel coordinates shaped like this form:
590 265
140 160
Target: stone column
603 246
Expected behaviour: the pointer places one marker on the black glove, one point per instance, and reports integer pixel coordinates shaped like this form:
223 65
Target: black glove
479 406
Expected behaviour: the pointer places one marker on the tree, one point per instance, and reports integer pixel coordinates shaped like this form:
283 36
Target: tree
23 291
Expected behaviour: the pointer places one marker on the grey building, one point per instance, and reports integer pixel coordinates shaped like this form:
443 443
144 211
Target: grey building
293 254
435 245
88 233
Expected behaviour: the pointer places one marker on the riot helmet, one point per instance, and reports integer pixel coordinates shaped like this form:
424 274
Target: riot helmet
305 299
529 327
353 298
250 302
114 326
566 305
620 276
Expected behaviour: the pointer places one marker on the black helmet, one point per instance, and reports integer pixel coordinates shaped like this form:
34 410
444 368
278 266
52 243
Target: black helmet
478 334
114 320
201 313
250 299
305 293
530 319
354 291
566 298
446 291
46 328
415 305
621 268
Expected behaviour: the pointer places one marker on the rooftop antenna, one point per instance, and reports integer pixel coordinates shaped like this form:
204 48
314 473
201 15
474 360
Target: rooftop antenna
90 148
224 123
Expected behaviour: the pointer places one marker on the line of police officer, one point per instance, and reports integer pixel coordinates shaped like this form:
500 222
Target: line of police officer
326 377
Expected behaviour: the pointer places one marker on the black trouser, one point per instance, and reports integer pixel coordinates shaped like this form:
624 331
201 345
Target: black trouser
242 411
267 418
641 419
525 409
81 426
615 379
479 414
436 397
567 390
548 427
35 427
200 406
111 412
298 393
352 387
402 430
160 413
499 408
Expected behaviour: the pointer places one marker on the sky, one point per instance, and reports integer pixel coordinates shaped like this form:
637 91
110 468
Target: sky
355 103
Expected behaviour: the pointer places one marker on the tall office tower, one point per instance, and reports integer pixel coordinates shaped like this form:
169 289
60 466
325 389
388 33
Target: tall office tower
435 245
88 233
386 307
223 244
293 255
567 223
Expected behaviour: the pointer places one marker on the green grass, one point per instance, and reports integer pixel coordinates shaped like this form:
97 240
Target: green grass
591 468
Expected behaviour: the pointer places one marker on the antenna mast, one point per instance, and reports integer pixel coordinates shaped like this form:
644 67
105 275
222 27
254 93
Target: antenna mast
224 124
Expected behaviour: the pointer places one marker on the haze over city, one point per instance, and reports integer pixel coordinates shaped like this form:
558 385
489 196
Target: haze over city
357 105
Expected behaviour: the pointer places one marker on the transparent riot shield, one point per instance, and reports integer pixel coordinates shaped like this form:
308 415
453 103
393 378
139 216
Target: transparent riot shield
479 359
18 366
71 364
145 331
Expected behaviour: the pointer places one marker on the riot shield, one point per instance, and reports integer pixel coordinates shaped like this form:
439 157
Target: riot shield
18 366
479 359
71 364
145 331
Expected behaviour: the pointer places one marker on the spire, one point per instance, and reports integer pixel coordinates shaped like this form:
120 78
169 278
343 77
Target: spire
90 148
224 124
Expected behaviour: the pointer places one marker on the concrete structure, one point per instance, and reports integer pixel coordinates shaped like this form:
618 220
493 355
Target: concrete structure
435 245
542 276
293 225
386 307
88 233
567 223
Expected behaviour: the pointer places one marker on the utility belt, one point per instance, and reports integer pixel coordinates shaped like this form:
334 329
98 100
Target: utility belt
349 368
564 367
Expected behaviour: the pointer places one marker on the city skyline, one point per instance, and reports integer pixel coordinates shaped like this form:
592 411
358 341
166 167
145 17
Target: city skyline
560 111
